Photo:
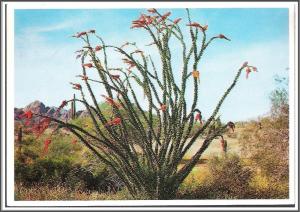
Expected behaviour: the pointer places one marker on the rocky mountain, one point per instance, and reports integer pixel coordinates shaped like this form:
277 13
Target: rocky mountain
39 107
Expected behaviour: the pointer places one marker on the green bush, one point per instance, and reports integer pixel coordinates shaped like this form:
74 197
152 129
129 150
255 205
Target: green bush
228 178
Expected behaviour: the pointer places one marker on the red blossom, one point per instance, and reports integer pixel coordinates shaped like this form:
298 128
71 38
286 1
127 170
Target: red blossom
194 24
28 115
41 127
115 76
163 107
245 64
98 48
176 21
152 10
129 62
198 117
111 101
231 125
221 36
143 21
248 70
88 65
165 16
114 122
79 34
47 142
76 86
204 28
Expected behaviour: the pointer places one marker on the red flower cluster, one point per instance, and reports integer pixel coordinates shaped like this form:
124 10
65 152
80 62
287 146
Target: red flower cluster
41 127
115 76
199 118
28 115
143 21
176 21
249 69
197 25
129 62
76 86
79 34
114 122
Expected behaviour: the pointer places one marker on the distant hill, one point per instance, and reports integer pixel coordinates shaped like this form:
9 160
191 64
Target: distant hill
39 107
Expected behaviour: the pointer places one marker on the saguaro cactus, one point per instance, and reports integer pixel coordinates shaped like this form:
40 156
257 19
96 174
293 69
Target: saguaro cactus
145 145
73 107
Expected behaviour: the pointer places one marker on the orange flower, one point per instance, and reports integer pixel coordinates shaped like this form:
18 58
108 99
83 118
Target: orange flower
221 36
98 48
88 65
76 86
74 141
176 21
114 122
196 74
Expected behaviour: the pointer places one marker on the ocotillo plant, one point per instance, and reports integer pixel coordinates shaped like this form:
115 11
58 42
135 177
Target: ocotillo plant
144 145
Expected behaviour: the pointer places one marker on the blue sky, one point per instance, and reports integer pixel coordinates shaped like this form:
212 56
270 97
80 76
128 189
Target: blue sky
45 62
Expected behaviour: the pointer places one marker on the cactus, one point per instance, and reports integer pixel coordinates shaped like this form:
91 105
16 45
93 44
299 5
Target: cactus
144 146
73 107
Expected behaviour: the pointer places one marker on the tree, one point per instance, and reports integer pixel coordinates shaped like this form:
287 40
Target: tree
144 146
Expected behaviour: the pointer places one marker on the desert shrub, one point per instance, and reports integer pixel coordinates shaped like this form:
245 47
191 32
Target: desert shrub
228 178
265 143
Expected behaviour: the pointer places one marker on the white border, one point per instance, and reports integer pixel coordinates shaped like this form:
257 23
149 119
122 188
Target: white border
293 37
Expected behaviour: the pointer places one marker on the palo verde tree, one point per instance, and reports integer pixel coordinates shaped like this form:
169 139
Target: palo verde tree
144 145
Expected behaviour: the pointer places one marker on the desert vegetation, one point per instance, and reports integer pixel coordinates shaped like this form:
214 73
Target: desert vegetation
121 149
